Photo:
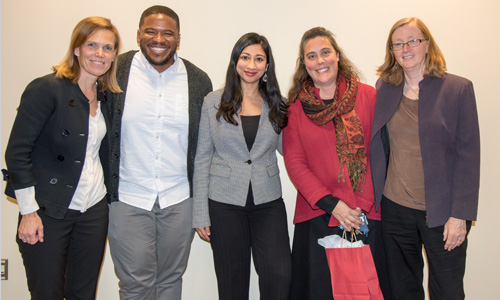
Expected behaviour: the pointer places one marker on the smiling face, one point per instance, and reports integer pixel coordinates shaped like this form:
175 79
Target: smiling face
412 60
252 64
96 54
321 61
159 39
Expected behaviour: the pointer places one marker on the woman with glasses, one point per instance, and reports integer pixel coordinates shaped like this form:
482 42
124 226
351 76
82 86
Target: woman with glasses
425 164
326 151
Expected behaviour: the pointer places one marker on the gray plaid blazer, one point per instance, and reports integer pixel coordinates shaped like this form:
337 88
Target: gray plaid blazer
224 167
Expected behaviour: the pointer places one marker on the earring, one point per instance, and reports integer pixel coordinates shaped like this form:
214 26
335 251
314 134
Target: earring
264 78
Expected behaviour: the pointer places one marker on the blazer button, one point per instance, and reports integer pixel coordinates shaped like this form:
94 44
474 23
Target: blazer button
249 162
60 157
66 132
53 181
72 102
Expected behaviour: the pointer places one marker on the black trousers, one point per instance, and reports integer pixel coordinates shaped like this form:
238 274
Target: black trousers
405 232
67 264
239 232
311 279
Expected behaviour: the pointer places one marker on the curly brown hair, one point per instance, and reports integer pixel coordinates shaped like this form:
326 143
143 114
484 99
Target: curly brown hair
346 67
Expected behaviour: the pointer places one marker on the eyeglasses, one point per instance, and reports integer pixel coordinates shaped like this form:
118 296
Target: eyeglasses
413 43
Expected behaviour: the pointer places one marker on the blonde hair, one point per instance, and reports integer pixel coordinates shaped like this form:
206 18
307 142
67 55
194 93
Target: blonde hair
69 66
435 64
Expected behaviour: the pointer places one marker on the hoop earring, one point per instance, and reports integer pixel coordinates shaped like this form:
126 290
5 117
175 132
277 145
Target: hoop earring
264 78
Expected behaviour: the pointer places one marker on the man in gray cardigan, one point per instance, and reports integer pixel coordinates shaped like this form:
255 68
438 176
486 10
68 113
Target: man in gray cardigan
154 136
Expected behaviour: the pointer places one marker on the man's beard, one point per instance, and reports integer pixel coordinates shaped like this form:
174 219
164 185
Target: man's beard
163 62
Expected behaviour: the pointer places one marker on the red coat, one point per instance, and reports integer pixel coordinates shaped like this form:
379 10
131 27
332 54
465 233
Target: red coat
311 160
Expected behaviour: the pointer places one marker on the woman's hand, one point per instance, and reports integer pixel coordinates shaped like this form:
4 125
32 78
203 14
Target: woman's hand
348 217
31 229
454 233
204 233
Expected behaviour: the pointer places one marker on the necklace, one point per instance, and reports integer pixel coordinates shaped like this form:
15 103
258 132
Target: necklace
95 94
412 89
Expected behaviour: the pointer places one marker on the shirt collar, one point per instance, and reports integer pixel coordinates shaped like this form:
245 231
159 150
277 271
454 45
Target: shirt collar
144 63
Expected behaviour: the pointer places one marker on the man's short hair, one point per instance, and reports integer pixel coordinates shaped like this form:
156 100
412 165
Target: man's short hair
160 9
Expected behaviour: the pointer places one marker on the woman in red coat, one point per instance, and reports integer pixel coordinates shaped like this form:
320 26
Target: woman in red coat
326 150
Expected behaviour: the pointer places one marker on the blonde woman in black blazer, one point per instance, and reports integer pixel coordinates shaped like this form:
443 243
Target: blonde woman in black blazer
237 191
57 159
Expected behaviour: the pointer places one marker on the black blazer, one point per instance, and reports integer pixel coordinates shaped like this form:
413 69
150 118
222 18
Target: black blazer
48 142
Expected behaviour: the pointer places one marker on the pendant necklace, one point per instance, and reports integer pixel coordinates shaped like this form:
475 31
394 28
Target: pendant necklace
95 94
412 89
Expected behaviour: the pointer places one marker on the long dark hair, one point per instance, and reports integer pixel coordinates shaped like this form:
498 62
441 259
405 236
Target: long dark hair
230 103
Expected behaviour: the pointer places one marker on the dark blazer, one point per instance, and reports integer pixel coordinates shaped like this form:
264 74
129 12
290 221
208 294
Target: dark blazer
48 142
224 166
199 85
449 142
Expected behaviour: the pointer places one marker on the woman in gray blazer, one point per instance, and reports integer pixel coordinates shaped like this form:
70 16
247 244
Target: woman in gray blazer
237 190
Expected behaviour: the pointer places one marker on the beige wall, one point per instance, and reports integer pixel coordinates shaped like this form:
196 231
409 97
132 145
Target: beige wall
35 35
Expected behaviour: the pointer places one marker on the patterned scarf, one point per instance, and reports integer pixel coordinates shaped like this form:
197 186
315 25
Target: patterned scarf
351 149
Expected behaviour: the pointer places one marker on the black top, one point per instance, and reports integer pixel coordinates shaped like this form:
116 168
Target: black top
250 125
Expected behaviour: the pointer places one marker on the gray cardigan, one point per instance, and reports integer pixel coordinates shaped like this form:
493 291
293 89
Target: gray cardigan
199 86
449 142
224 167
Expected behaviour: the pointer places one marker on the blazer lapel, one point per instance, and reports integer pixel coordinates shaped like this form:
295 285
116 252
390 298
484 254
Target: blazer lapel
388 99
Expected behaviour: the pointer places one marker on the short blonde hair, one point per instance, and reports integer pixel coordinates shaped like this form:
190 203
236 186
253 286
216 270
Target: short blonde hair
435 64
69 66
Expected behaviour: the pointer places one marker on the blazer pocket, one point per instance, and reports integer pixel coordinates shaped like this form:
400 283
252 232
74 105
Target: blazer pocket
219 170
273 170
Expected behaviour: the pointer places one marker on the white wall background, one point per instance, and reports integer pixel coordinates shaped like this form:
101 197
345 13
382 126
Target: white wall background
35 36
